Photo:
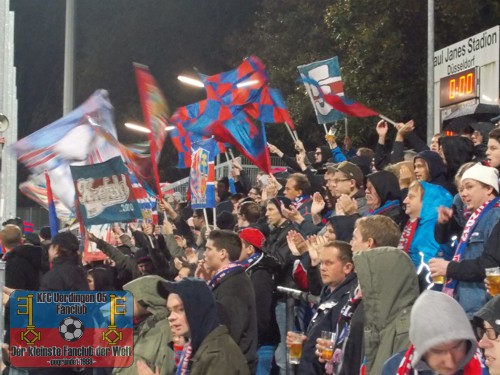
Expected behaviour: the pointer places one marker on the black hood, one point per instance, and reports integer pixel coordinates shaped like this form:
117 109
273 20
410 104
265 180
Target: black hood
437 169
490 313
199 305
343 226
434 162
325 155
386 185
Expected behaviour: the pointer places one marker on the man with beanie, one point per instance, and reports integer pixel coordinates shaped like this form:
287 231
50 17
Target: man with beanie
487 325
463 281
276 245
152 333
261 268
233 291
442 340
209 349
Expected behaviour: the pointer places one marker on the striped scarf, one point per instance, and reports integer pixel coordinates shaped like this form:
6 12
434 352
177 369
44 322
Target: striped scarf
474 219
224 271
183 368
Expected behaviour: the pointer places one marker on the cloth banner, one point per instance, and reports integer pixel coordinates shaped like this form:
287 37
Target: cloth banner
104 193
202 177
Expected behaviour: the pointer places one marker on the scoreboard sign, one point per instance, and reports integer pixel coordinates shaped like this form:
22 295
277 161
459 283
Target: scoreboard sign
459 87
71 329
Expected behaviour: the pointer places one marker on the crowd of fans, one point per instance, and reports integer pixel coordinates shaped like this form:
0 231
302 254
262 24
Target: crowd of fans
386 248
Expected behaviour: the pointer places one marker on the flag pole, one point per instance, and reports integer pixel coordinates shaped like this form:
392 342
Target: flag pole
346 127
206 217
291 133
326 129
387 119
215 218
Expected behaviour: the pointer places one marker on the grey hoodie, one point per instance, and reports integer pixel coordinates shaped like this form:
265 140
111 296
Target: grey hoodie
436 319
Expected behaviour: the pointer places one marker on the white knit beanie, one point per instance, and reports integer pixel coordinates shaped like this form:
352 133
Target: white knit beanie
484 174
436 319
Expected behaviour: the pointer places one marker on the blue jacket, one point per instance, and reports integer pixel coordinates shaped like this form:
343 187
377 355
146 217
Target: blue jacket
472 295
423 240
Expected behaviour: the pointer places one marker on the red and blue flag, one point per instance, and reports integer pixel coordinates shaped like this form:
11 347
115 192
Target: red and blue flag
342 104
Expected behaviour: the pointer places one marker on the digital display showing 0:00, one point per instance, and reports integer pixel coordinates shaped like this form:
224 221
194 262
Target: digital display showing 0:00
459 87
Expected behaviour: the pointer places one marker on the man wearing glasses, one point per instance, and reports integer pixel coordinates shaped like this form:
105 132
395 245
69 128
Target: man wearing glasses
487 325
345 182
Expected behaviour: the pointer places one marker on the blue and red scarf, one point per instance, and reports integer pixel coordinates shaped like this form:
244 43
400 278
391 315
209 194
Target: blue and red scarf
223 272
474 219
407 235
251 260
183 368
387 206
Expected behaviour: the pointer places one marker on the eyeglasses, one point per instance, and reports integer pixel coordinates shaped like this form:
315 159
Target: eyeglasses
490 333
337 180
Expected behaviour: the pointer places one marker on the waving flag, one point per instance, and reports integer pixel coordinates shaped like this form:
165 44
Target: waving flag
342 104
183 136
155 111
35 188
48 147
238 104
327 74
202 177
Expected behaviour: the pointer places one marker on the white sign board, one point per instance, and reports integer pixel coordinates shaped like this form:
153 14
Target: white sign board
478 50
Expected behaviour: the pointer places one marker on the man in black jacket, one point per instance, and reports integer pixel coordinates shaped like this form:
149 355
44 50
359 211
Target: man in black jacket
23 265
276 245
233 291
261 269
336 270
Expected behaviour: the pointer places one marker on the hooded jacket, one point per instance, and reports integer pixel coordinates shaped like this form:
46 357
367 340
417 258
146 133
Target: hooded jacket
423 239
387 187
152 335
449 323
214 352
490 313
389 285
437 170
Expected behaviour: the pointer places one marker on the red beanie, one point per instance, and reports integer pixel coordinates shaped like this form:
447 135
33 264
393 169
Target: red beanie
253 236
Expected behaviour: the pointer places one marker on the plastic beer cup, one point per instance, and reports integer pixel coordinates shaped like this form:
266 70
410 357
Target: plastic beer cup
493 277
295 352
327 353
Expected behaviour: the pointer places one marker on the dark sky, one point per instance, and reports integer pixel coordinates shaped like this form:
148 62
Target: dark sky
170 36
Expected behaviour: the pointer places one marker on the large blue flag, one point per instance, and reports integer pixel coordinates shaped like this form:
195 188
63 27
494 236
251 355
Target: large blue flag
327 74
